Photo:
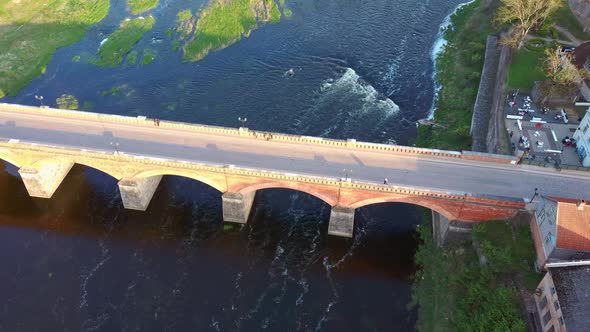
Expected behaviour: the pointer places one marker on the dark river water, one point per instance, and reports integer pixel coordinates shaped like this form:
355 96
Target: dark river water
80 262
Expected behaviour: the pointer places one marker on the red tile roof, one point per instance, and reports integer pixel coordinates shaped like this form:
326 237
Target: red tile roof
573 225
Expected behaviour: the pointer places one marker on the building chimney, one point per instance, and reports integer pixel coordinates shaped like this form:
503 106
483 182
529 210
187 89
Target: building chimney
581 205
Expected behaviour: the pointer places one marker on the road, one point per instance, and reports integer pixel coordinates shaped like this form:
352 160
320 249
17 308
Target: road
434 173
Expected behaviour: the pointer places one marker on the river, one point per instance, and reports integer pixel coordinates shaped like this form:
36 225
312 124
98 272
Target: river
79 261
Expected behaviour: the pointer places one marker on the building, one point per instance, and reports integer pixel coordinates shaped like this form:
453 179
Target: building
563 299
581 59
561 230
582 137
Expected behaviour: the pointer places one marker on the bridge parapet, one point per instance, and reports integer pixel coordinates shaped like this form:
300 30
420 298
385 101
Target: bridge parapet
259 135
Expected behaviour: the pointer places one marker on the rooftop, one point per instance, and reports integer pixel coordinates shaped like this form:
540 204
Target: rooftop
581 54
571 284
573 224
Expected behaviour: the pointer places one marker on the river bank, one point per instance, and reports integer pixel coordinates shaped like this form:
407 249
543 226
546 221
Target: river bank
473 285
458 70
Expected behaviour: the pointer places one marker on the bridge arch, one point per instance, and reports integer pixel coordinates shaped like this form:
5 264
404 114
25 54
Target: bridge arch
439 208
218 184
97 165
330 198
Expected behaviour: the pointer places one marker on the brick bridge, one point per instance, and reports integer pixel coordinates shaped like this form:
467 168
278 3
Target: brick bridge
463 186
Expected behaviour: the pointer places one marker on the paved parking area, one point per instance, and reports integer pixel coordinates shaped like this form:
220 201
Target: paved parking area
536 111
540 135
544 141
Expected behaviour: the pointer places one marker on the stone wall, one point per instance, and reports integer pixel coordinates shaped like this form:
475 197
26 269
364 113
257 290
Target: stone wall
485 95
581 9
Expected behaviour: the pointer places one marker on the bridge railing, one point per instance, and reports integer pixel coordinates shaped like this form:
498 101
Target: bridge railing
259 135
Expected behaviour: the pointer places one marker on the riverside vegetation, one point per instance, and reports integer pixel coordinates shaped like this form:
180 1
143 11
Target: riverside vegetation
140 6
458 68
452 289
221 24
32 30
457 292
120 42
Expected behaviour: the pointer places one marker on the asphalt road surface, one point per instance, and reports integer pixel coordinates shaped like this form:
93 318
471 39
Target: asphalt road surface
435 173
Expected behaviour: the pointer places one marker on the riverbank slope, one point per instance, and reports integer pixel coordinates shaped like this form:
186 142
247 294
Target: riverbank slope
474 285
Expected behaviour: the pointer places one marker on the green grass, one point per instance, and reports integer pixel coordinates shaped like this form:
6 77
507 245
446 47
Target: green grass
525 69
223 23
565 18
87 106
184 15
186 23
121 41
148 56
175 45
132 58
140 6
31 31
457 293
459 68
68 102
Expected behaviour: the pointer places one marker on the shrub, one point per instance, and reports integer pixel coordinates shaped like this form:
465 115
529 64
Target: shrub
535 45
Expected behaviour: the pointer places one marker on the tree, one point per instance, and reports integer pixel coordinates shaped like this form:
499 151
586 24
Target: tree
524 15
563 75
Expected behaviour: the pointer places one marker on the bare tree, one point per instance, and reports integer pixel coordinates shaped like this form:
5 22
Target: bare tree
563 75
524 15
560 68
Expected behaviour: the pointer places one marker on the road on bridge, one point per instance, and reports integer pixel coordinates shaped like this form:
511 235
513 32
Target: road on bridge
430 172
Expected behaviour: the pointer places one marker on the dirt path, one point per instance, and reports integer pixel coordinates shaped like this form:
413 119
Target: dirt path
549 40
568 34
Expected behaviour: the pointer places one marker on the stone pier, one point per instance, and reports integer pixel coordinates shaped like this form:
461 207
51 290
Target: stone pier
236 206
137 193
341 221
43 180
440 228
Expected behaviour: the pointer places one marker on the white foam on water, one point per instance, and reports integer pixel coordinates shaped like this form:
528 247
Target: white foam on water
86 277
371 100
393 70
437 48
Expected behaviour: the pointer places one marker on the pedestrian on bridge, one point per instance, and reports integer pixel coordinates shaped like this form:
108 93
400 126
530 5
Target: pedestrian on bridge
385 181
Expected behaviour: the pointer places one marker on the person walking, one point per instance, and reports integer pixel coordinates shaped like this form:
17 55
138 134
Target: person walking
385 181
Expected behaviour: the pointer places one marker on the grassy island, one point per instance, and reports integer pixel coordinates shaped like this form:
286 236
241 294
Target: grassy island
31 31
223 23
140 6
120 42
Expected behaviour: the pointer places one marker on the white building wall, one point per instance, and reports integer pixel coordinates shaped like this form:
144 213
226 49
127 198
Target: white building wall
546 217
582 137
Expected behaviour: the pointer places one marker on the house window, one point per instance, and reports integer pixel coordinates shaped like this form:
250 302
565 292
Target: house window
552 290
556 305
547 318
543 303
585 128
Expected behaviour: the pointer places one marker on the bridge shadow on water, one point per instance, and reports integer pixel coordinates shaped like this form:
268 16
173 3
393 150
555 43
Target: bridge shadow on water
80 260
